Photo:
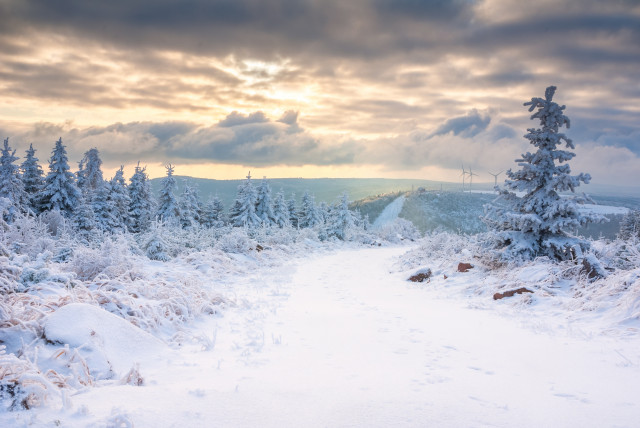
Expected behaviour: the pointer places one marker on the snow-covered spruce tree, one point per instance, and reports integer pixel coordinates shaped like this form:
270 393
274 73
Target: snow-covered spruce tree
541 223
190 206
630 225
168 210
264 206
155 245
11 186
341 220
119 200
280 210
309 215
32 178
89 174
84 219
141 206
105 210
243 211
213 213
60 191
293 211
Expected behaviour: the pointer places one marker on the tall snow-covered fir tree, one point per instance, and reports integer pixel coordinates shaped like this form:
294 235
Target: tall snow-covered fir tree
32 178
141 207
264 205
60 191
89 173
280 210
119 200
168 209
243 211
309 215
11 185
213 213
541 223
190 206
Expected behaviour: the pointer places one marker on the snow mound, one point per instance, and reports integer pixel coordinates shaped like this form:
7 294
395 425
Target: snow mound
97 331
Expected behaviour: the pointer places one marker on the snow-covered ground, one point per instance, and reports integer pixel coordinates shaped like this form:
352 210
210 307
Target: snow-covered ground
390 213
343 339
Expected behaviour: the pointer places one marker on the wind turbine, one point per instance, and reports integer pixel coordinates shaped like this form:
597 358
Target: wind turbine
495 176
464 173
471 174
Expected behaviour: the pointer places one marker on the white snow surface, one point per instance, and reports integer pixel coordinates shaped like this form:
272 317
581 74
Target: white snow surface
389 213
343 339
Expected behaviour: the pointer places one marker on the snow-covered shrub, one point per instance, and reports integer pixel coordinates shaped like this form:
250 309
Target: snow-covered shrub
111 259
155 245
236 241
399 230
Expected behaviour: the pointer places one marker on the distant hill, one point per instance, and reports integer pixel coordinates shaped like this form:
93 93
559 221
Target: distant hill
324 189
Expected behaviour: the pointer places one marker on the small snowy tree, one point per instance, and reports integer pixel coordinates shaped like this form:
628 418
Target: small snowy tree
84 219
168 210
309 215
264 206
155 245
541 222
119 200
60 191
293 211
190 206
11 186
104 209
142 205
32 178
280 211
213 213
243 211
630 225
342 219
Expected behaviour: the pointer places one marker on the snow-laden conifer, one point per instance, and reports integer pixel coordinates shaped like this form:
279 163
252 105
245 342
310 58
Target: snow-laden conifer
541 223
293 211
309 215
60 191
11 185
190 206
168 210
84 219
89 174
264 205
119 200
342 219
280 210
32 178
213 215
141 207
630 225
243 211
155 245
104 209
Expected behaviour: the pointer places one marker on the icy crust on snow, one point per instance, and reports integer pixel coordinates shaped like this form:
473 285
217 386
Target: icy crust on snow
609 304
97 331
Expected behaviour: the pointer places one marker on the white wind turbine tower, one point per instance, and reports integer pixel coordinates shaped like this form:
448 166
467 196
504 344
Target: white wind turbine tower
464 173
471 174
495 177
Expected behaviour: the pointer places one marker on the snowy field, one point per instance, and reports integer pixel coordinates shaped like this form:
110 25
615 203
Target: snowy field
339 337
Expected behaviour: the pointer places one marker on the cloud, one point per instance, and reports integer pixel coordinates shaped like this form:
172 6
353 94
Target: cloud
465 126
237 119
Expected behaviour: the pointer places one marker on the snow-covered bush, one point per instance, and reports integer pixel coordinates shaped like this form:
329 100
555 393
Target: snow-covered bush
399 230
111 259
236 241
541 223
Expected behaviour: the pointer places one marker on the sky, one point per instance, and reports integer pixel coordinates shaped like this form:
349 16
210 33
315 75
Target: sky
308 88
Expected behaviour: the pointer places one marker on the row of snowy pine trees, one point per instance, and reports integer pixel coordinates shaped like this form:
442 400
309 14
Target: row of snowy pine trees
92 203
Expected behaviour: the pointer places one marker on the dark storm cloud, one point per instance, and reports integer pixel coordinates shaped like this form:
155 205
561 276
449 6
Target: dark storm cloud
466 126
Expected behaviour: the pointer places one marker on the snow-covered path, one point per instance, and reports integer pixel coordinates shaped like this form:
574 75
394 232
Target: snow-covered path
341 341
390 212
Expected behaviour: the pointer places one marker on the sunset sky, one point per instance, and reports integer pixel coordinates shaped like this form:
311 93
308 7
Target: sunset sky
299 88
